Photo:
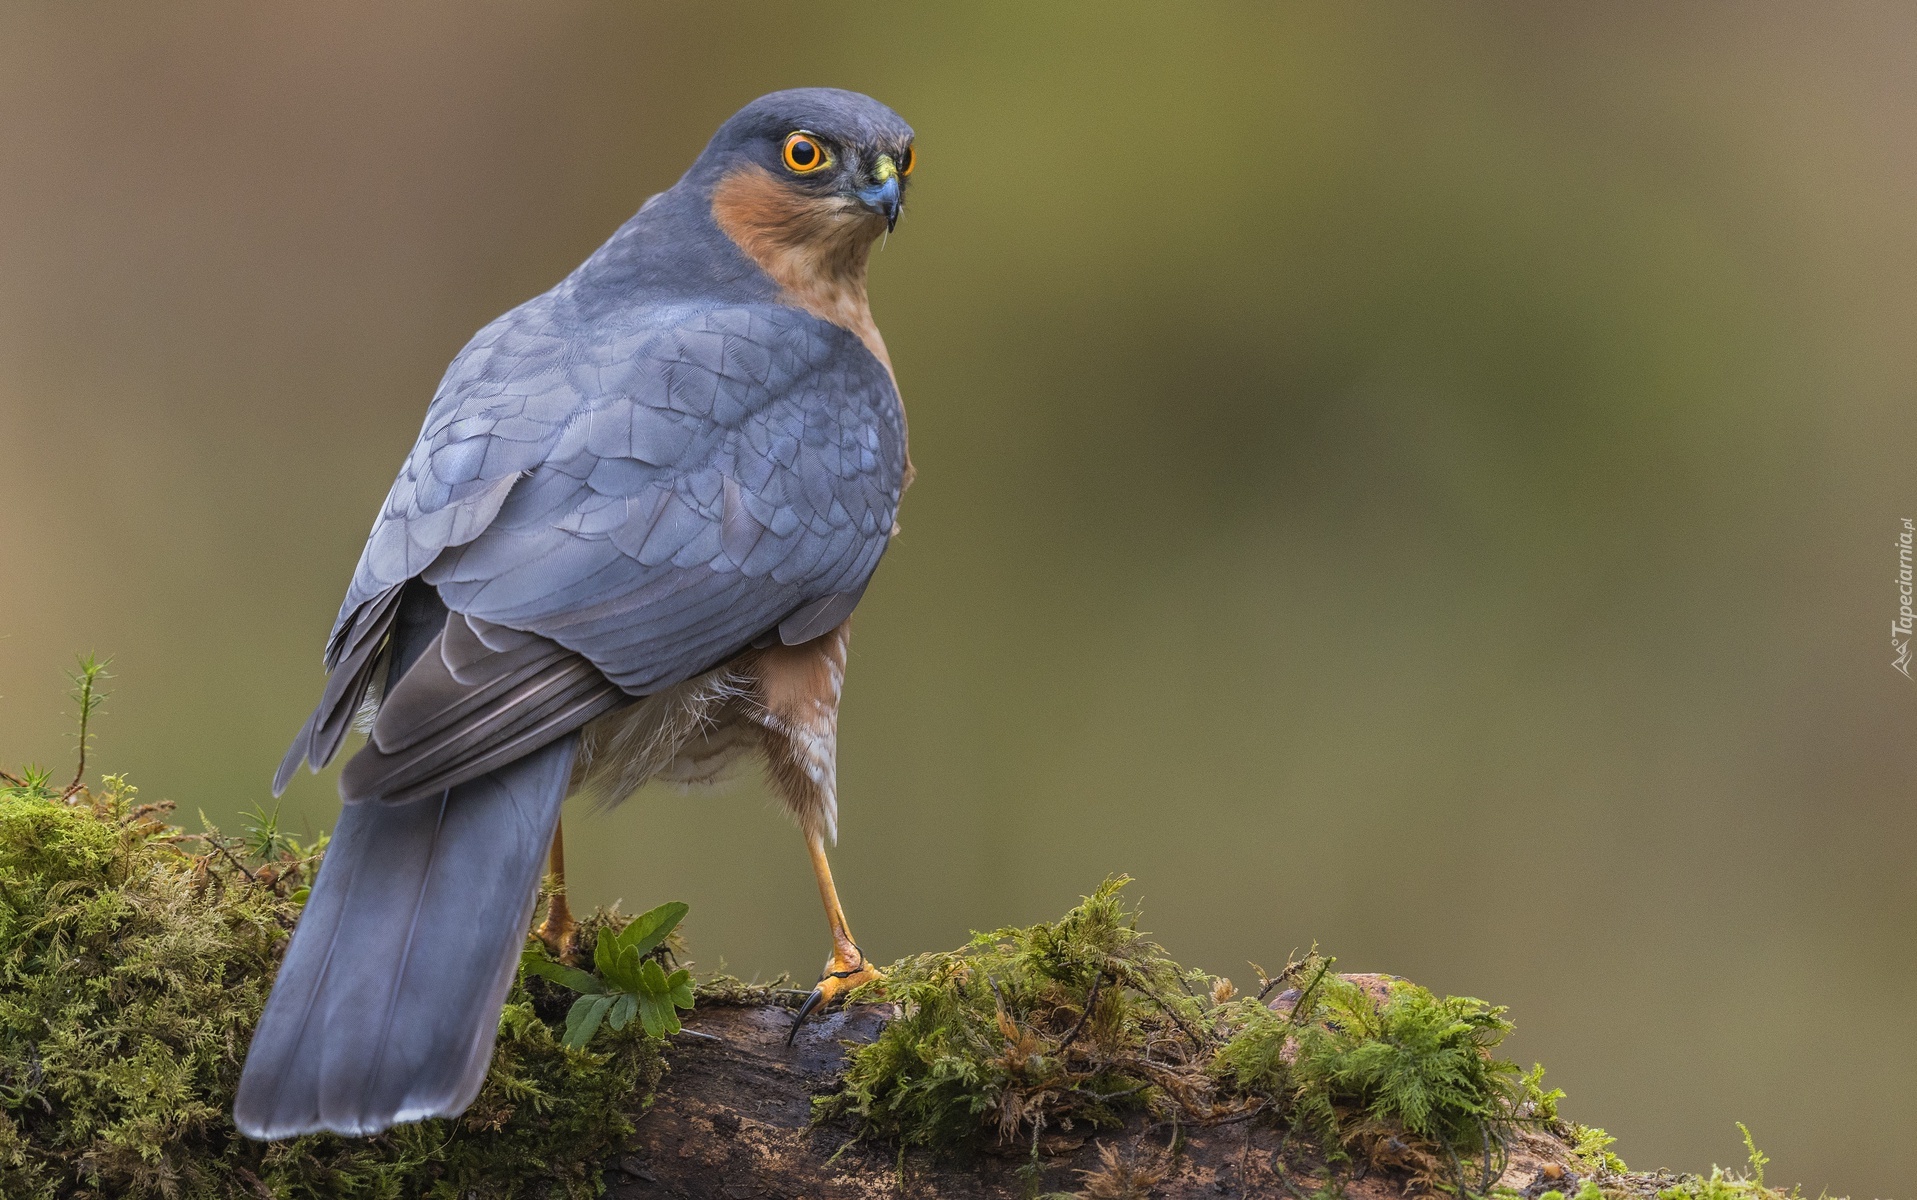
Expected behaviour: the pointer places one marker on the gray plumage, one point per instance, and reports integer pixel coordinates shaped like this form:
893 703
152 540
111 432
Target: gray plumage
387 1002
619 485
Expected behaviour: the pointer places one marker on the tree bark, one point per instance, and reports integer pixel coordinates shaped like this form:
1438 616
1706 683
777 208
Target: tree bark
732 1120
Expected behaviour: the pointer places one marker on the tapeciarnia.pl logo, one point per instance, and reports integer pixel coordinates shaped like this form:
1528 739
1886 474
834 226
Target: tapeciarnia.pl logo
1901 627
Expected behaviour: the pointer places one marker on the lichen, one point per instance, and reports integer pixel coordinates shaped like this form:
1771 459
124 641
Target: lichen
134 961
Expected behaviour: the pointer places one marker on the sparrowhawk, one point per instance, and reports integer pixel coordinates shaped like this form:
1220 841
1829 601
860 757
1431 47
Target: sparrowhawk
627 545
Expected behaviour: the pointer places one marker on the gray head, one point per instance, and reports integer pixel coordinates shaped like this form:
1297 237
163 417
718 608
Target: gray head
822 147
784 204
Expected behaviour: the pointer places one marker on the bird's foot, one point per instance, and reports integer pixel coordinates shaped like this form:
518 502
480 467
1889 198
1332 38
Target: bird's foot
845 970
559 931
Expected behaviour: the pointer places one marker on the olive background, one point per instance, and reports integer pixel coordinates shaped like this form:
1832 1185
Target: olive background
1422 478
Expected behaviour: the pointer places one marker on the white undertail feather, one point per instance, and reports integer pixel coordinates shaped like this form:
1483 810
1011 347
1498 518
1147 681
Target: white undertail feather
368 710
681 735
695 734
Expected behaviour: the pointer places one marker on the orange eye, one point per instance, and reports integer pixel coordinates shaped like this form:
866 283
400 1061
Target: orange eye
910 160
803 154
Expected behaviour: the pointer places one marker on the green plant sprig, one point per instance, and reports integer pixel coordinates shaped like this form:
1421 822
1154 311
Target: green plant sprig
630 982
88 698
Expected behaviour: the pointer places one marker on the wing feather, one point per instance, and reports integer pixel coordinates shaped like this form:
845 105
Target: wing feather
441 725
608 505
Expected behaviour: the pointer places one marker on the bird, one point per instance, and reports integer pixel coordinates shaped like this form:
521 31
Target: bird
626 546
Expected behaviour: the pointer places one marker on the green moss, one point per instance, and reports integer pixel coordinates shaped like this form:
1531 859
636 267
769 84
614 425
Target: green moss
1721 1184
1410 1068
1083 1020
1025 1029
720 990
1591 1151
134 961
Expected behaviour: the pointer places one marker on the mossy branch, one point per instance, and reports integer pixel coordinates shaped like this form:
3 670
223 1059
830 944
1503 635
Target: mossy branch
135 958
134 961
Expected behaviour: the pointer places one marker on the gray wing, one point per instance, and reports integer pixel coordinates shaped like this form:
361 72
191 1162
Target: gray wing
606 513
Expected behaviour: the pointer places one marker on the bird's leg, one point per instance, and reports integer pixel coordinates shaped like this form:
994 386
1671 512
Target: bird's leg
557 930
796 694
847 967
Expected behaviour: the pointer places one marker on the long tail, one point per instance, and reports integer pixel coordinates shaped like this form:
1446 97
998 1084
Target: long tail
387 1004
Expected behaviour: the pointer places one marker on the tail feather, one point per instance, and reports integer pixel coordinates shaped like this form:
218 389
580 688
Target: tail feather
387 1004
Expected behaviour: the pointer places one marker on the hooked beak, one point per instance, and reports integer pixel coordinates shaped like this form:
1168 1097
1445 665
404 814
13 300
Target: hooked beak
884 196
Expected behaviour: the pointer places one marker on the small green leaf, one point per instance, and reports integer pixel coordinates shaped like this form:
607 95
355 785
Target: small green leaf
583 1021
680 984
300 894
657 1016
605 953
652 980
560 973
630 965
649 1017
623 1008
648 929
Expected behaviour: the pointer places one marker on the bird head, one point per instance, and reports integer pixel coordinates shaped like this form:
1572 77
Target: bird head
809 165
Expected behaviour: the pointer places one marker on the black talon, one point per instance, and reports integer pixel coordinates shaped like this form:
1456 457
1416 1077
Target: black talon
818 994
811 1002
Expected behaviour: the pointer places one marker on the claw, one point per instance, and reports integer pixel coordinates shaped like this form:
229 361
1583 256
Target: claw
558 929
805 1010
558 940
839 978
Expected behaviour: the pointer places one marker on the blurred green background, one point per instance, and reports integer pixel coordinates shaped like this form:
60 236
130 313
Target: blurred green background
1418 477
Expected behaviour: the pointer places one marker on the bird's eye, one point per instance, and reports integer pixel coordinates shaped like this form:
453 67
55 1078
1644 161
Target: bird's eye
910 160
803 154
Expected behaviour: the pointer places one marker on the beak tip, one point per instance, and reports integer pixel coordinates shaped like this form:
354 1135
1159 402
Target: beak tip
884 198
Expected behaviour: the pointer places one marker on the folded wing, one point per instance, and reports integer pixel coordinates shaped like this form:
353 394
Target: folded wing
607 509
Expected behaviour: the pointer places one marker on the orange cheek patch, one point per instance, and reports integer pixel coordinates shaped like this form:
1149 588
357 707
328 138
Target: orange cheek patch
769 220
813 247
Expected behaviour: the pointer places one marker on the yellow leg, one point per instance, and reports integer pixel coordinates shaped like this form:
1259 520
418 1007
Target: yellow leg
558 928
846 968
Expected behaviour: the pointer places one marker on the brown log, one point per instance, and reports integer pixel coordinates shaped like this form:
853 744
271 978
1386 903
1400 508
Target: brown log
732 1120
